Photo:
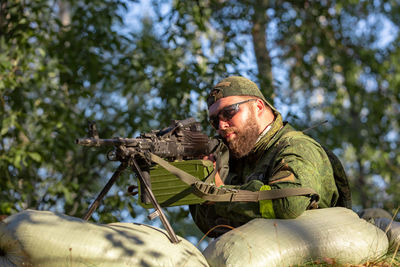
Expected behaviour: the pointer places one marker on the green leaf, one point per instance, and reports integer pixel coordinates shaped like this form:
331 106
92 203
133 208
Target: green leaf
35 156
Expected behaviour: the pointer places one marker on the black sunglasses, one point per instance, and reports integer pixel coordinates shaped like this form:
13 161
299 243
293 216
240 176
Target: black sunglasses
226 113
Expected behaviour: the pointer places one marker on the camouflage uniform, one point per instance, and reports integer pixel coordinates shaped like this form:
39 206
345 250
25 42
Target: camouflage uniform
282 158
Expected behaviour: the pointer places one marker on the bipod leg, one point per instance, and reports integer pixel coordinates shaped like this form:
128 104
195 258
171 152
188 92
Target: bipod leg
105 190
143 175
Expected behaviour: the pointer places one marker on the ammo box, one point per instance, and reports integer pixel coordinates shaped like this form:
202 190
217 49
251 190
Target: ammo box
169 190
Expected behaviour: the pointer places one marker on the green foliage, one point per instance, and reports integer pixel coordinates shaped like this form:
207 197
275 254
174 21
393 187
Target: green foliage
332 59
49 73
65 62
342 70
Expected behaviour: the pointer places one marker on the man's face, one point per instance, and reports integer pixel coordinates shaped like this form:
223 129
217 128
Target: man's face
235 120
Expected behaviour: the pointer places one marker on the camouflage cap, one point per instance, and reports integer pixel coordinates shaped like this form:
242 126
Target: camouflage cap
234 86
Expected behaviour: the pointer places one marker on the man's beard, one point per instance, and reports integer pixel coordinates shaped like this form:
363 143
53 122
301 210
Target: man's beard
244 140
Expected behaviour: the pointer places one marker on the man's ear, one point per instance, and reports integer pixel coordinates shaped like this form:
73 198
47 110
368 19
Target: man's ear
260 107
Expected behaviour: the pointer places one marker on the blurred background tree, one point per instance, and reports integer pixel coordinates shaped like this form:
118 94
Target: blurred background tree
65 62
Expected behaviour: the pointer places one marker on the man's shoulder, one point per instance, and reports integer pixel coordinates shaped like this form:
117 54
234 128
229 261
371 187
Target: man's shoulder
293 142
289 134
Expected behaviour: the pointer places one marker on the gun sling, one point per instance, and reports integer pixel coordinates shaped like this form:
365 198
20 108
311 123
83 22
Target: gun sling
212 193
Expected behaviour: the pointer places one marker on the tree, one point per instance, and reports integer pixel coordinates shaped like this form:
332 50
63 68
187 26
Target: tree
327 60
65 62
335 54
54 74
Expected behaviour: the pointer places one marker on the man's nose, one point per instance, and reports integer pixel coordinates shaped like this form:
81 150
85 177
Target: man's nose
222 125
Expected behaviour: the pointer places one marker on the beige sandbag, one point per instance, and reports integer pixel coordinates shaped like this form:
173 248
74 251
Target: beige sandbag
392 230
372 213
11 253
336 233
45 239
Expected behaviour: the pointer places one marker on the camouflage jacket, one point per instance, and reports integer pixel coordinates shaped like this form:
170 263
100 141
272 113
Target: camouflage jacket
282 158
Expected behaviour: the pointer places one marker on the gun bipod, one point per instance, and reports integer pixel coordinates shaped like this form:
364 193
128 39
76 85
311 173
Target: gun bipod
143 177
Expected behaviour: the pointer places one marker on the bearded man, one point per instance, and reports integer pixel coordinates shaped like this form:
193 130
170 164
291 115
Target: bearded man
261 152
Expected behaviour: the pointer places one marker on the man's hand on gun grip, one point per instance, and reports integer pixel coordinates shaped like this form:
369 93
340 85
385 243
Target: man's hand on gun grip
218 181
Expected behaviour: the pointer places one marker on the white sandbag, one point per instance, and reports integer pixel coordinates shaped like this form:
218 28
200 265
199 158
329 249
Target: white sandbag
335 233
392 230
45 239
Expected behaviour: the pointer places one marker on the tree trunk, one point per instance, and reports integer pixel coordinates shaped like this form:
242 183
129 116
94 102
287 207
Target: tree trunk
259 34
3 24
64 12
361 184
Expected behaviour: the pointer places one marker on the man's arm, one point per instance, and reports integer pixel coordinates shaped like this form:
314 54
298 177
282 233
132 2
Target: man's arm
302 163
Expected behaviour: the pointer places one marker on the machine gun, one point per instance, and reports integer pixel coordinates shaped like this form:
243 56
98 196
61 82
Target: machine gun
182 140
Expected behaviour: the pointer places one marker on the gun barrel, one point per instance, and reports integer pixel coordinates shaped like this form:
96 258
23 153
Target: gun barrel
105 142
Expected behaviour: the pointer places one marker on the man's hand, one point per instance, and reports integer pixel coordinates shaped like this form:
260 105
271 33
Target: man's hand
217 179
